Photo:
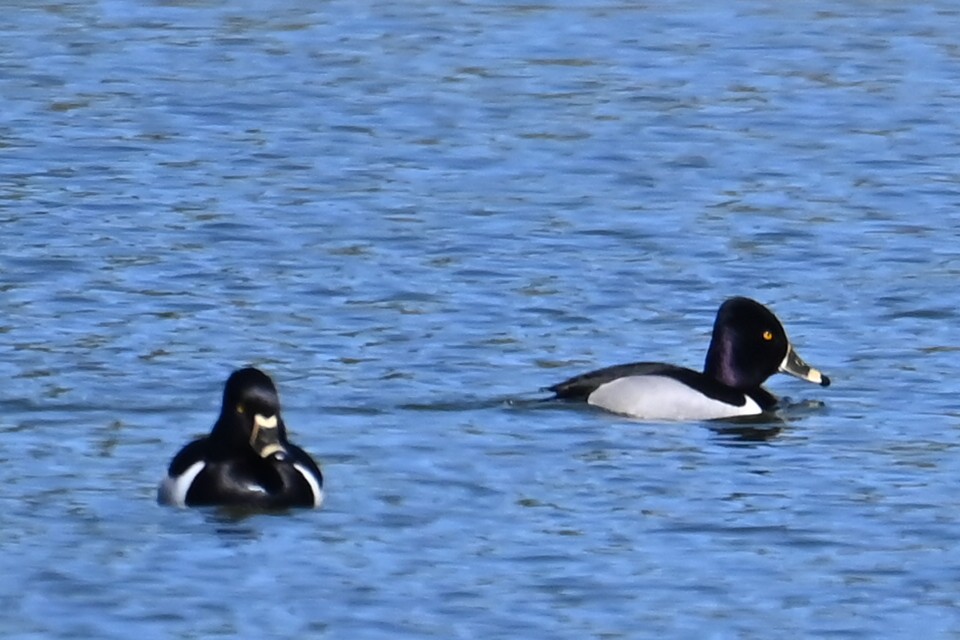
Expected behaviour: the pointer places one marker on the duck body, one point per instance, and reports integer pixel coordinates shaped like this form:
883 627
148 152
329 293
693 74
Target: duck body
246 460
200 475
748 345
659 391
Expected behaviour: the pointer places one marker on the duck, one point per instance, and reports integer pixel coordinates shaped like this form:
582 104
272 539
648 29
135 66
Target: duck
748 345
246 460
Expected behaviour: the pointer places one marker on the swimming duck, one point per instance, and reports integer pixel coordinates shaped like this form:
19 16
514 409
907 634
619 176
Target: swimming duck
748 346
246 460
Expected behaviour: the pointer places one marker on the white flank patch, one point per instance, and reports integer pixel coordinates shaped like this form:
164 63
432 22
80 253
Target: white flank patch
663 398
173 491
312 481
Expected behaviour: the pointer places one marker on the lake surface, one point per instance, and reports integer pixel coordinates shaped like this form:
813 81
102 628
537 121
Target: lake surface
414 216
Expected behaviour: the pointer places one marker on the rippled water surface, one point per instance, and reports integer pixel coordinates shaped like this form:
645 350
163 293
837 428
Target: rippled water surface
414 216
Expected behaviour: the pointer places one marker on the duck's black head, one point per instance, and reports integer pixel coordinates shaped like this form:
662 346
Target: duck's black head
250 415
749 345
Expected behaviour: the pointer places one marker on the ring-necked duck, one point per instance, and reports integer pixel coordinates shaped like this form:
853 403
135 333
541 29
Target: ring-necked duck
246 460
748 346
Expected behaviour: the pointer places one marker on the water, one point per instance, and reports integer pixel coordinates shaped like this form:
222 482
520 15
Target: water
414 216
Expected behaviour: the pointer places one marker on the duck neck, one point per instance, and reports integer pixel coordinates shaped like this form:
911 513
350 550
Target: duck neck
720 363
228 435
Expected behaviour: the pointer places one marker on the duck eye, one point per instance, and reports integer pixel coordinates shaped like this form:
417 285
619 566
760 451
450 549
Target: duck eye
768 335
240 409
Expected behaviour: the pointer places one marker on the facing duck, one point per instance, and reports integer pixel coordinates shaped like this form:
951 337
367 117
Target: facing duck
246 460
748 346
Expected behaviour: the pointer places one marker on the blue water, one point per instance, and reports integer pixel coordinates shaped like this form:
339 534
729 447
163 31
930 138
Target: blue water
416 215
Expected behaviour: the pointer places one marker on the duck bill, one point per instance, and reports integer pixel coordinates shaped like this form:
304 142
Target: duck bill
265 438
795 366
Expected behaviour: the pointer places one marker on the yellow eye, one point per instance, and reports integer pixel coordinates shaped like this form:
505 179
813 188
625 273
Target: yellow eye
768 335
240 409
